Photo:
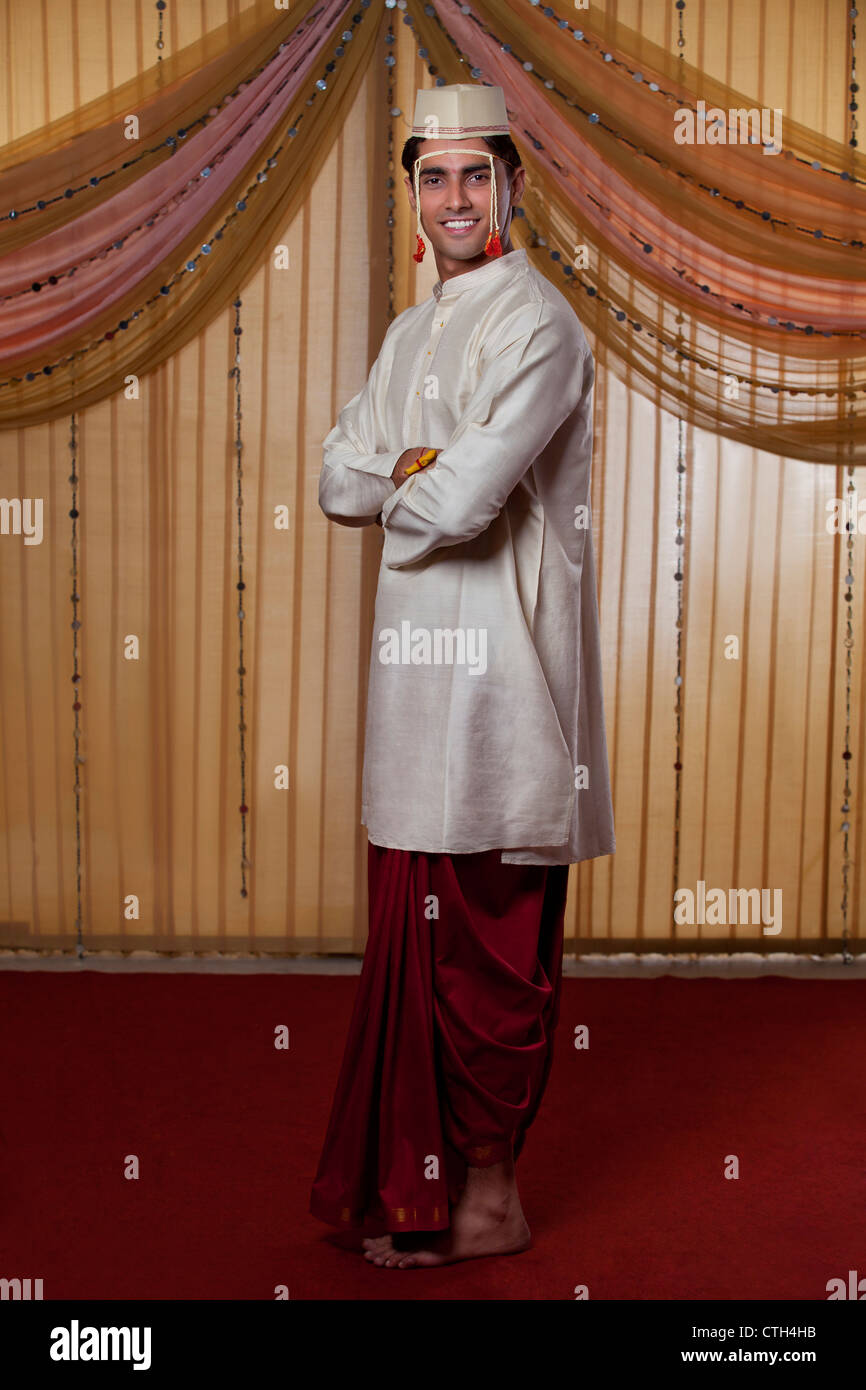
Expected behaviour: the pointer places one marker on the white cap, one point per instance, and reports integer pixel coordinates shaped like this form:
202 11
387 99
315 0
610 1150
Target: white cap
460 112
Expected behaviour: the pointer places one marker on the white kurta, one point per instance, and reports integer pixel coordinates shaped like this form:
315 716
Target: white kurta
485 718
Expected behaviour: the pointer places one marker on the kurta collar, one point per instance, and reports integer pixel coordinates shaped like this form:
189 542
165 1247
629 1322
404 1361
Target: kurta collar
509 264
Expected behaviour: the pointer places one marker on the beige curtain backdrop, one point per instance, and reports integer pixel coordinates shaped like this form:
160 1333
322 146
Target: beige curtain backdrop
158 824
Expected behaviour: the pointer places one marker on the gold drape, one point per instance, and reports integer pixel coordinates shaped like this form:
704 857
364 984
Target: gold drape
762 735
168 325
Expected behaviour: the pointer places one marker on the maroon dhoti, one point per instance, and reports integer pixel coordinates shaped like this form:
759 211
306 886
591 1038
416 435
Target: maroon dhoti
450 1041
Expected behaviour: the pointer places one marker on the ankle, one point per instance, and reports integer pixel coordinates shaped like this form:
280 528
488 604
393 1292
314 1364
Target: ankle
496 1192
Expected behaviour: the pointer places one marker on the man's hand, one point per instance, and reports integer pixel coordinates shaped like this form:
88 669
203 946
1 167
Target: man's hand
407 459
409 462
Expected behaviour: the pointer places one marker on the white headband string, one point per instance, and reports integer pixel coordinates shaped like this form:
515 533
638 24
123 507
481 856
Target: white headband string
494 199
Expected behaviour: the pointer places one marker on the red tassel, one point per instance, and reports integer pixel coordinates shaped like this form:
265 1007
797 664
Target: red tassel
493 246
419 254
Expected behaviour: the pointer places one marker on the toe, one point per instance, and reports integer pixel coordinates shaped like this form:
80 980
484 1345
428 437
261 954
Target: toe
378 1249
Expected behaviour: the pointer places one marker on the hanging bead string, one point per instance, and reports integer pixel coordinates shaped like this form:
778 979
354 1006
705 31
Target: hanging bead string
848 643
76 680
160 82
614 307
850 529
853 86
393 112
241 587
393 155
594 119
160 42
170 140
679 577
680 572
190 266
681 36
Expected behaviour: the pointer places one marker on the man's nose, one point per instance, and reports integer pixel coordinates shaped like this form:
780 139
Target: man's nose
457 196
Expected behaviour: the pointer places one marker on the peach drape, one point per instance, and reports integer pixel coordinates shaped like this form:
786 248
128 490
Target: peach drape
158 829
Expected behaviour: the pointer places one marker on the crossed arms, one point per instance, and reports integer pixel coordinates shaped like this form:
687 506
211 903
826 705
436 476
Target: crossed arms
531 382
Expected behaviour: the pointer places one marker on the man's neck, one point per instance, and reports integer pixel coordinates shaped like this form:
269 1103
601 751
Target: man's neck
448 269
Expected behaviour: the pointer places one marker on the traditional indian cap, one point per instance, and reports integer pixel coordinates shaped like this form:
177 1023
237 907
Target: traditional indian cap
463 111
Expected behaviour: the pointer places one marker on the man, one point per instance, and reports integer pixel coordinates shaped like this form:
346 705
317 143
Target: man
485 769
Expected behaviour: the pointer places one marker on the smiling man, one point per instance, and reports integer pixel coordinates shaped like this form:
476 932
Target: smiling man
471 445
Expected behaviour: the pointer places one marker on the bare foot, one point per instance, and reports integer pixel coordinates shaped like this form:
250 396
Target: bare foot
380 1250
488 1220
476 1230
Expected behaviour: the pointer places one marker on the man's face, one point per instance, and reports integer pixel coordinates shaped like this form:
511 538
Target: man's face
455 201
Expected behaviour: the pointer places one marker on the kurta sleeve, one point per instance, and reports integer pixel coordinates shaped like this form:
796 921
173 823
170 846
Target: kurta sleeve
529 385
356 476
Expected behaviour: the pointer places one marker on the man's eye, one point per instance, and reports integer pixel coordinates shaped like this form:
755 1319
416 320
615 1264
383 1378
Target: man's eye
434 178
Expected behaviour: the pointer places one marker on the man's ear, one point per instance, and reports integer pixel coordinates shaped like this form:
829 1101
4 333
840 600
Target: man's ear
411 191
518 183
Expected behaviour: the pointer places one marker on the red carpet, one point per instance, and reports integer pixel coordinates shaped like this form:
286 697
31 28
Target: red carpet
621 1179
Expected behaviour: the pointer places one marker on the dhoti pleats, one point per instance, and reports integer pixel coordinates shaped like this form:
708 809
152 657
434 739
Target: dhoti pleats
450 1040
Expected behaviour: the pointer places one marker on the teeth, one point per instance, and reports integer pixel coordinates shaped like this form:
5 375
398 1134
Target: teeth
457 225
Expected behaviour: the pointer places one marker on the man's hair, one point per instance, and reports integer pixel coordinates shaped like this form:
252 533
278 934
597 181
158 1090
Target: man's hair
503 145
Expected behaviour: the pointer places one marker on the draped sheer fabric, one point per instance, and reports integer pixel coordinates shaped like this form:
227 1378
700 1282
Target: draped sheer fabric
728 280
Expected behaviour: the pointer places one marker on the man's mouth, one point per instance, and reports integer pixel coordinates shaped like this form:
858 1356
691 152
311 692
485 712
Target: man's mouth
461 225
